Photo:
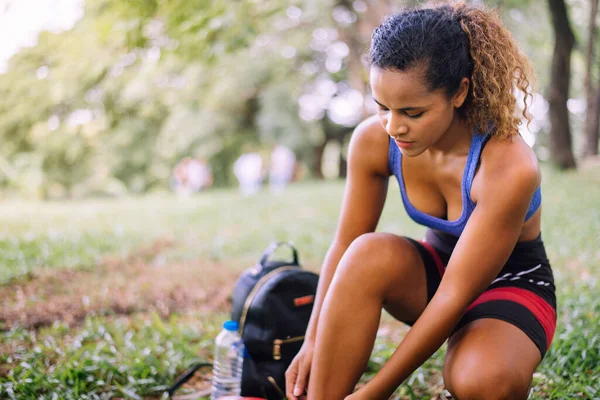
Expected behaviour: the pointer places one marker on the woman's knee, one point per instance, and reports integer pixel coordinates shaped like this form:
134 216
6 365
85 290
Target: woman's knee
380 261
480 378
377 252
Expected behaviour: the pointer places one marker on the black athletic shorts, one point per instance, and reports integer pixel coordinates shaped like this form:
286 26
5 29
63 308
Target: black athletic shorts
523 294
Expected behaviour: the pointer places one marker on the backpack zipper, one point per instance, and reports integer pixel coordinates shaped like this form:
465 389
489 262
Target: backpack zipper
278 342
276 386
255 289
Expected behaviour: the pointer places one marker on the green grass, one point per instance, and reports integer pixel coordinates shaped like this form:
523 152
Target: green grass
105 358
138 356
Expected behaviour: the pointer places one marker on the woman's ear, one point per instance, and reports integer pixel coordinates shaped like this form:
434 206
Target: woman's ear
461 95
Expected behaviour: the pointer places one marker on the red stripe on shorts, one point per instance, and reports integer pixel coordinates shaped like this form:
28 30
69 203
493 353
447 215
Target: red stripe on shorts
436 257
542 311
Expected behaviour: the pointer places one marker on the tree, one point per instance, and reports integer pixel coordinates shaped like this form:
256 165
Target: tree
561 151
592 121
113 104
133 87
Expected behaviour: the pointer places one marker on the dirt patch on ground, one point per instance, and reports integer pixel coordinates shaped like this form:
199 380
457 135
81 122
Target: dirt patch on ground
138 283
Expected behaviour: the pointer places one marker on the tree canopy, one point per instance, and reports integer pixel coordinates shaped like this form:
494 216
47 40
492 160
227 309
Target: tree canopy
111 105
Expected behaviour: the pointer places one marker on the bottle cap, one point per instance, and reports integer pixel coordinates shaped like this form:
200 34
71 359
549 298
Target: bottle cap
231 326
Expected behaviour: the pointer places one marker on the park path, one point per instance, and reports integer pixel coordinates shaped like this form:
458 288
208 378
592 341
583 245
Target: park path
141 282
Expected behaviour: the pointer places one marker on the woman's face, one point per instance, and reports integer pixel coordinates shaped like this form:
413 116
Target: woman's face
414 116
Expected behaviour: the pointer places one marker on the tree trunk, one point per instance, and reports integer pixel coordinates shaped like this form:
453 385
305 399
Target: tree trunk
561 152
317 160
343 167
593 135
343 160
590 143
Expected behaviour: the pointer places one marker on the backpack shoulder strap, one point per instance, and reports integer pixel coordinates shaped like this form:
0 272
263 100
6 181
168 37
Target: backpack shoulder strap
275 246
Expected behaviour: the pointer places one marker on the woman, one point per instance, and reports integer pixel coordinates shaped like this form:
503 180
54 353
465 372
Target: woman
446 129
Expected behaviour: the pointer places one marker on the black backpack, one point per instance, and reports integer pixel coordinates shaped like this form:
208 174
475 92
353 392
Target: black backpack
272 302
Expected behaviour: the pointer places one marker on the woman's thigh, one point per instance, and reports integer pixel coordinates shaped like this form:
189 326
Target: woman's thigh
490 359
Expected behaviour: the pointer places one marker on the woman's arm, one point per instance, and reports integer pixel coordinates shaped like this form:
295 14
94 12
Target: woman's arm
481 252
364 197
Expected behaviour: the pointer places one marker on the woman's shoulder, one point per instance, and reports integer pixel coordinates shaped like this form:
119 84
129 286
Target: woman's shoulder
509 161
369 146
370 131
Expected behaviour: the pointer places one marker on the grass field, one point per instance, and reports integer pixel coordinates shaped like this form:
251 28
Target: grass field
112 298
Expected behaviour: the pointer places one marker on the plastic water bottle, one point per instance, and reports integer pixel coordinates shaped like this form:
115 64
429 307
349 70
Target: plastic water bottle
227 367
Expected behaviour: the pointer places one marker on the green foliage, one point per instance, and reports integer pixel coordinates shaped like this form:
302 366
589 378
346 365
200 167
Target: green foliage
209 29
573 364
130 70
112 105
104 358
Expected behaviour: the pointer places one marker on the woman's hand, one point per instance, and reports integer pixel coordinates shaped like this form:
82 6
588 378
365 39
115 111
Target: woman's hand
296 376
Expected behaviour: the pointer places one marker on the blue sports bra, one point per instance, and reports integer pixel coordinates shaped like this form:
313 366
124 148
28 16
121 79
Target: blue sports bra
452 227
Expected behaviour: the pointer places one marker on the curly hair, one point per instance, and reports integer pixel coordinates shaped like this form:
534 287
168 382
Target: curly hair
457 41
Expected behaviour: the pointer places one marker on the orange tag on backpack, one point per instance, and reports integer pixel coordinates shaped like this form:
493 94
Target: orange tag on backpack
304 300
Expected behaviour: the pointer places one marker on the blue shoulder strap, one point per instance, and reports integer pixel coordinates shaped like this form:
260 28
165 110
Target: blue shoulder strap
477 143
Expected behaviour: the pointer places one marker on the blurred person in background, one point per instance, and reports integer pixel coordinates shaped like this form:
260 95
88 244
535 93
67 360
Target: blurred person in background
281 168
191 175
248 169
199 174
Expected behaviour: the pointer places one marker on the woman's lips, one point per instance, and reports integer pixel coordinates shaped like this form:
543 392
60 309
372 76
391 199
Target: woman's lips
403 144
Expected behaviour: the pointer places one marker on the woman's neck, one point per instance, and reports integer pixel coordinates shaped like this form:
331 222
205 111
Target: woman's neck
455 141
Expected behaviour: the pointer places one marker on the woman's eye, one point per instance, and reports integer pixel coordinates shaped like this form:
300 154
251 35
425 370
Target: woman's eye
414 115
381 108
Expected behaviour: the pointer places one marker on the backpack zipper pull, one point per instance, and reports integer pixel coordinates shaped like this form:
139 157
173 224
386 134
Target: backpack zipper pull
277 345
277 349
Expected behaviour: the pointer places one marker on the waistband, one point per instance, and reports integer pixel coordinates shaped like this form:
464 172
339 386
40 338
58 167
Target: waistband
523 252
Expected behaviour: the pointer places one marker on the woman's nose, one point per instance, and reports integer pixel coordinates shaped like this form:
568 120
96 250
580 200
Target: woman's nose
395 126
